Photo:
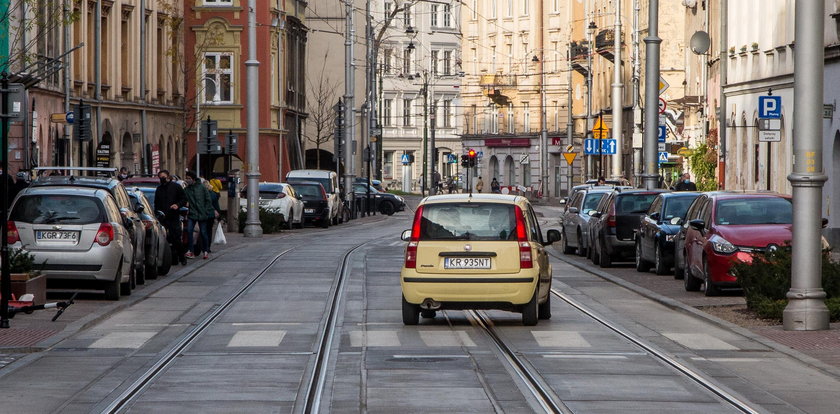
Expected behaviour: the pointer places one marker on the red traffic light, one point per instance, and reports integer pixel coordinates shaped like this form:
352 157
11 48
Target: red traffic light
471 153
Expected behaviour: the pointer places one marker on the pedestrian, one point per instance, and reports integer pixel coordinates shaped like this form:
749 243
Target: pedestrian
215 187
201 213
479 184
123 174
436 182
494 186
169 198
450 184
685 183
602 181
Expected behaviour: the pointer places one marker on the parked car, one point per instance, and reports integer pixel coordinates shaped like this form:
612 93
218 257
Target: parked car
723 227
615 221
659 228
280 197
328 179
315 202
117 190
145 181
575 219
158 253
484 251
384 203
77 236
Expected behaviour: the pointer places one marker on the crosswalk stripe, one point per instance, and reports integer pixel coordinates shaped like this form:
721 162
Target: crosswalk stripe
699 341
561 339
374 338
128 340
256 339
446 338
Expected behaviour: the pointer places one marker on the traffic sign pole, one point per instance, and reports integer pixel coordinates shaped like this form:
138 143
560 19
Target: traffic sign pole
652 91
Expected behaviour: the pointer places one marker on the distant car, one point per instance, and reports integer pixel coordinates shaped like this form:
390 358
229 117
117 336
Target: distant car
280 197
483 251
659 228
77 235
142 181
158 253
328 179
385 203
615 221
575 219
315 203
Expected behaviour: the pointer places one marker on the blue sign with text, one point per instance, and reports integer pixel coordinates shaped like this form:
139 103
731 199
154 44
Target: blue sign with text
591 147
770 107
608 146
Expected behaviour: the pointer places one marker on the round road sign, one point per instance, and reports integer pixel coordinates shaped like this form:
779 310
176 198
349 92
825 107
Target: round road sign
662 106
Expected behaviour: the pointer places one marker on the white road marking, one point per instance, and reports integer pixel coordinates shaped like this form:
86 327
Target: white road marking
584 356
429 356
744 360
446 338
128 340
699 341
256 339
374 338
560 339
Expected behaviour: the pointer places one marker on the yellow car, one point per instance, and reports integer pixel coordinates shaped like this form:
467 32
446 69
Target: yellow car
479 251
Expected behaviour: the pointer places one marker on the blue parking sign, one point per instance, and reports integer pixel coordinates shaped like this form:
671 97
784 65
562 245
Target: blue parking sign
663 132
770 107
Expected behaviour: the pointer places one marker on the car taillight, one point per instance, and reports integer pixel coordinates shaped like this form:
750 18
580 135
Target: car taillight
324 193
281 195
12 235
105 234
411 249
526 261
147 224
611 216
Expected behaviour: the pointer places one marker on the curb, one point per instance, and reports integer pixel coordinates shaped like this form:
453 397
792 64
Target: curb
677 305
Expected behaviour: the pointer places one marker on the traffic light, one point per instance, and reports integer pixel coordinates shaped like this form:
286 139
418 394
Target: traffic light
472 155
338 138
465 161
82 121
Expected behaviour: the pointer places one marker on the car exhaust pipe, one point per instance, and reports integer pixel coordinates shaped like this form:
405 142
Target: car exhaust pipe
430 304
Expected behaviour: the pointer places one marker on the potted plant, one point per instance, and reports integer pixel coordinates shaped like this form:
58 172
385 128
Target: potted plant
754 46
26 276
744 49
732 51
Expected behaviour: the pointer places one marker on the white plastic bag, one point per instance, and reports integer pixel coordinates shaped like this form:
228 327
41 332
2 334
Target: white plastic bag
219 237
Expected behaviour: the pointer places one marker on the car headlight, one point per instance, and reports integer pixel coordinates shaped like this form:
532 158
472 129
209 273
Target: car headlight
721 245
670 237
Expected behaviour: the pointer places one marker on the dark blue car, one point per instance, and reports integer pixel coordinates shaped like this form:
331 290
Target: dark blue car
659 227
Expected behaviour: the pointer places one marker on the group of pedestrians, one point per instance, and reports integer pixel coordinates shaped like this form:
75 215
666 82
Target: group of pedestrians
202 199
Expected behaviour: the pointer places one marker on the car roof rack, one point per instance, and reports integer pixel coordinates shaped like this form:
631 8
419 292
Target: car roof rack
111 172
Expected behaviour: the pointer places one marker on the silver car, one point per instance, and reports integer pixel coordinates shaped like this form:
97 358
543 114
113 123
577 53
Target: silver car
158 254
77 236
575 219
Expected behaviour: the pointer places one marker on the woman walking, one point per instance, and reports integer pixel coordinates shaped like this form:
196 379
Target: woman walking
201 212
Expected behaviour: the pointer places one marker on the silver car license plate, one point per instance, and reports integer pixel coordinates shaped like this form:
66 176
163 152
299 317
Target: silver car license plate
466 263
309 210
57 235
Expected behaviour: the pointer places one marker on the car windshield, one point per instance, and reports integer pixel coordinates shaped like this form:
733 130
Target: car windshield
768 210
591 201
468 221
634 203
57 209
308 190
323 181
677 207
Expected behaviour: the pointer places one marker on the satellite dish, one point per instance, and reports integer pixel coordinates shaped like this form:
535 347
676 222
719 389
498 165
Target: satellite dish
700 42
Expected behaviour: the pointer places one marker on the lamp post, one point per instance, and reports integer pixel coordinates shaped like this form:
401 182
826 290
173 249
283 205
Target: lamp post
649 145
543 126
617 98
253 228
590 30
198 116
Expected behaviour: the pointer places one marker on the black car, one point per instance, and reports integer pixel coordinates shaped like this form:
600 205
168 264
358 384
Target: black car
614 224
659 228
385 203
315 203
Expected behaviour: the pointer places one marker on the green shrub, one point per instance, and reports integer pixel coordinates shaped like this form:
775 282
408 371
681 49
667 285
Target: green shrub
271 221
21 261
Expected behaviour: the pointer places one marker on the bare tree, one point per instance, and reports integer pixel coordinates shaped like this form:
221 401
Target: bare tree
32 30
322 114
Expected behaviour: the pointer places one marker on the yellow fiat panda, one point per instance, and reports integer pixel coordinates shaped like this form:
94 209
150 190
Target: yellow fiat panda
478 251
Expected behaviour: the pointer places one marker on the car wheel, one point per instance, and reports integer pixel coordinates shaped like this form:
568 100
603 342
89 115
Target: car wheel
709 288
428 314
325 222
410 313
564 243
692 284
151 272
167 261
604 259
140 274
659 262
596 253
127 287
641 264
530 311
112 289
387 208
581 251
545 308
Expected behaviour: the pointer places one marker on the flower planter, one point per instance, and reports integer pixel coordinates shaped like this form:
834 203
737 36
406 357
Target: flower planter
23 283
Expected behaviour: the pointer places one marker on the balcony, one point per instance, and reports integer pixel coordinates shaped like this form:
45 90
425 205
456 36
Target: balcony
579 51
497 81
605 44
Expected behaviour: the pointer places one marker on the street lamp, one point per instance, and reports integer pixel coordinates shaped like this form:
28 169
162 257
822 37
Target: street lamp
543 127
590 31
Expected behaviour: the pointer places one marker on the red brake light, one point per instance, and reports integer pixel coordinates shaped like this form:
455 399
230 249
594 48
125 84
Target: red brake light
323 193
611 216
411 249
12 235
281 194
105 234
415 227
147 224
526 261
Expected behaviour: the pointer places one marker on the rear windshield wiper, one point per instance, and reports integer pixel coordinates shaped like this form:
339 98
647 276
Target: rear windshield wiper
54 219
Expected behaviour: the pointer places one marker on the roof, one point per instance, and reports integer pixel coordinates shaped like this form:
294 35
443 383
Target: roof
65 190
728 195
476 197
71 180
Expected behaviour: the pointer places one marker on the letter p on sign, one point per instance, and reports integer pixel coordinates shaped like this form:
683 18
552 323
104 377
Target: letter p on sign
770 107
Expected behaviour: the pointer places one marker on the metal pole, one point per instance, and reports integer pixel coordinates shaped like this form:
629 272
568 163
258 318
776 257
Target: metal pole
143 51
434 162
424 183
349 117
570 124
806 310
544 187
589 159
723 115
652 41
5 276
197 125
67 75
97 71
253 228
637 108
618 99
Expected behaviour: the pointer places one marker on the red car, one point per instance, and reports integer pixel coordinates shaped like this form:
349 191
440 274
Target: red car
726 226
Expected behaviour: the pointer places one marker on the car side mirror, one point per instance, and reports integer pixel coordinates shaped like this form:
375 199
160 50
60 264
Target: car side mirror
573 210
406 235
139 208
654 216
127 223
824 222
595 214
564 200
552 236
676 221
697 224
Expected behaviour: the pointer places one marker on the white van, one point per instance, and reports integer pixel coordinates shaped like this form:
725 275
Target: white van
328 179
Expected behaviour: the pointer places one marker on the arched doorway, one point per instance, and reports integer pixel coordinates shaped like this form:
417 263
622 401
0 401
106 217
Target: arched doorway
319 159
510 168
494 167
127 153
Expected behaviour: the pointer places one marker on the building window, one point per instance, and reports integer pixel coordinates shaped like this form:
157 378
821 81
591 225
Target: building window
475 119
447 62
556 5
494 122
510 8
387 112
407 16
526 175
218 75
475 10
407 112
447 113
434 62
434 15
525 4
556 106
218 2
407 62
388 164
511 128
386 60
494 4
447 15
387 9
526 111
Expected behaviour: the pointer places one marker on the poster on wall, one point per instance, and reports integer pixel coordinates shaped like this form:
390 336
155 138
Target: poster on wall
155 159
103 156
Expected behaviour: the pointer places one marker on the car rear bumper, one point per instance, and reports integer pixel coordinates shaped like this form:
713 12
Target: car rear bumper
620 248
512 288
98 263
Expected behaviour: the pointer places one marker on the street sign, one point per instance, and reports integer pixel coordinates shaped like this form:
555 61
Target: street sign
769 136
662 106
663 85
525 159
590 147
570 157
770 107
663 133
663 157
376 131
405 159
58 118
601 129
828 111
684 151
570 148
661 146
769 124
452 159
70 117
608 146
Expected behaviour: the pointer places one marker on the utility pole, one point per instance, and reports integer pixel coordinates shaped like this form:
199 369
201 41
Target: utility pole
426 174
806 310
67 80
432 123
570 124
618 99
723 115
637 106
253 227
97 76
143 51
590 30
652 41
544 187
349 104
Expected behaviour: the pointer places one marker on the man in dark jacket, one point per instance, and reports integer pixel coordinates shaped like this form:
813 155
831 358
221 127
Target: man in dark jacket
685 184
169 198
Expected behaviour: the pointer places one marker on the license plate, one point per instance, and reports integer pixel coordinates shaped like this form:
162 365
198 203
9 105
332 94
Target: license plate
309 210
65 236
466 263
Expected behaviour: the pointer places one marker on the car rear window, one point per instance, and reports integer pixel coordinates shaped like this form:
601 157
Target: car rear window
323 181
634 203
308 190
591 201
677 207
770 210
58 209
468 221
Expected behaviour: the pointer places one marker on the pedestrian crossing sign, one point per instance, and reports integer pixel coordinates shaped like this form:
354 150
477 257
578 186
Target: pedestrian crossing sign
405 159
663 157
